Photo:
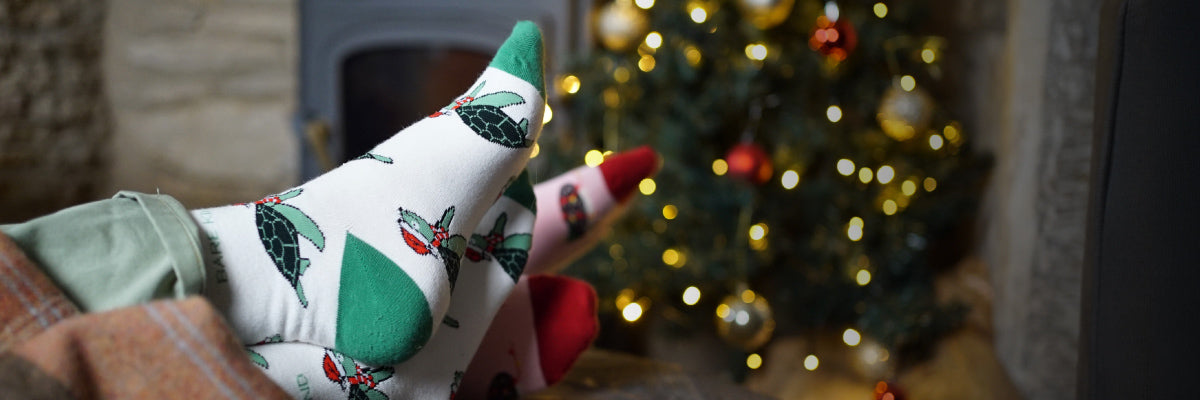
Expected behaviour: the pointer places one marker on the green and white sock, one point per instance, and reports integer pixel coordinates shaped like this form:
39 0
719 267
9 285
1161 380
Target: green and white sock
363 259
496 257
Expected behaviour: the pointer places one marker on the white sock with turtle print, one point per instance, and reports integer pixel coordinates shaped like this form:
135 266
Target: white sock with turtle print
496 257
363 259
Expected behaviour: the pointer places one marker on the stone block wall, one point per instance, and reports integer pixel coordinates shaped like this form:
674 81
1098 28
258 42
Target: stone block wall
54 123
202 93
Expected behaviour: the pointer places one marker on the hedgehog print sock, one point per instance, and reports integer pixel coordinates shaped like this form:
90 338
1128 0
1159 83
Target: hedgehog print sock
363 259
539 332
495 258
578 205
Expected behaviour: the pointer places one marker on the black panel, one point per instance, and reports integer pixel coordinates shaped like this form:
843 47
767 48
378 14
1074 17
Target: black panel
1141 270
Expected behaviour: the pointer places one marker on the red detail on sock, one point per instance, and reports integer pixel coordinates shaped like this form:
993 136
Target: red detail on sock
473 255
414 243
564 314
330 368
623 171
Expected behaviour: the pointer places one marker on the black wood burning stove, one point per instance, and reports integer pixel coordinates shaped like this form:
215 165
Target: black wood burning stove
371 67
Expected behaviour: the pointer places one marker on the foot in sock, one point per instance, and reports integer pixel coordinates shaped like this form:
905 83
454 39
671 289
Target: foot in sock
440 371
539 332
363 259
578 206
499 246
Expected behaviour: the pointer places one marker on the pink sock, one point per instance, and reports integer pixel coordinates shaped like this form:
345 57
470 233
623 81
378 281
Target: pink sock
575 208
543 326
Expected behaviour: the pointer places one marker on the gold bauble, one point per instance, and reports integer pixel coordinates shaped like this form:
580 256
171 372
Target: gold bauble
766 13
619 25
903 113
745 324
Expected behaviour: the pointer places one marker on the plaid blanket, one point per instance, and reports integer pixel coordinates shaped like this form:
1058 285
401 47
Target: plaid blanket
164 349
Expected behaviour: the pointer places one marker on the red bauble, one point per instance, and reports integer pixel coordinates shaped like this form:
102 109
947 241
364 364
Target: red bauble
833 39
888 391
748 161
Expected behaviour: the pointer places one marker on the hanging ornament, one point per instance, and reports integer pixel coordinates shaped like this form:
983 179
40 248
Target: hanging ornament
888 391
745 320
620 24
765 14
748 161
903 113
833 38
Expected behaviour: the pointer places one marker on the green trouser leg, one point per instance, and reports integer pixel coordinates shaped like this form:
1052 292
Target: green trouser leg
118 252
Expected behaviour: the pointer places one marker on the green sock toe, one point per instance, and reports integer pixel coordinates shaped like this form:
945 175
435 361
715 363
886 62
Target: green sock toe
521 55
383 317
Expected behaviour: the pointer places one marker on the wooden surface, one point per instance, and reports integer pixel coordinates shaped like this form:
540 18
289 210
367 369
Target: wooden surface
601 374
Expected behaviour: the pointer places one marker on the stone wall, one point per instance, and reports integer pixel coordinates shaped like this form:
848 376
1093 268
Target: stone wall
54 123
202 93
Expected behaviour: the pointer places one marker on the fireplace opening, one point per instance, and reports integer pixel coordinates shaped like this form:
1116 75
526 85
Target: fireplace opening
385 89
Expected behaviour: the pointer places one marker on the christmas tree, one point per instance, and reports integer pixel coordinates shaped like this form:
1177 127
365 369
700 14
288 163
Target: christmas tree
808 180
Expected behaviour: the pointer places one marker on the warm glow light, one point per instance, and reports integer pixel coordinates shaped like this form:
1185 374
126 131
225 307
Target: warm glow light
880 10
758 231
621 74
570 83
748 296
856 221
691 295
632 312
928 56
644 4
654 40
743 317
908 187
693 55
908 83
720 167
889 207
624 297
647 186
612 98
832 11
834 113
851 337
699 14
854 232
756 51
754 361
811 362
930 184
646 63
670 257
536 149
865 175
790 179
935 142
723 312
845 167
885 174
548 115
593 158
863 277
669 211
951 133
